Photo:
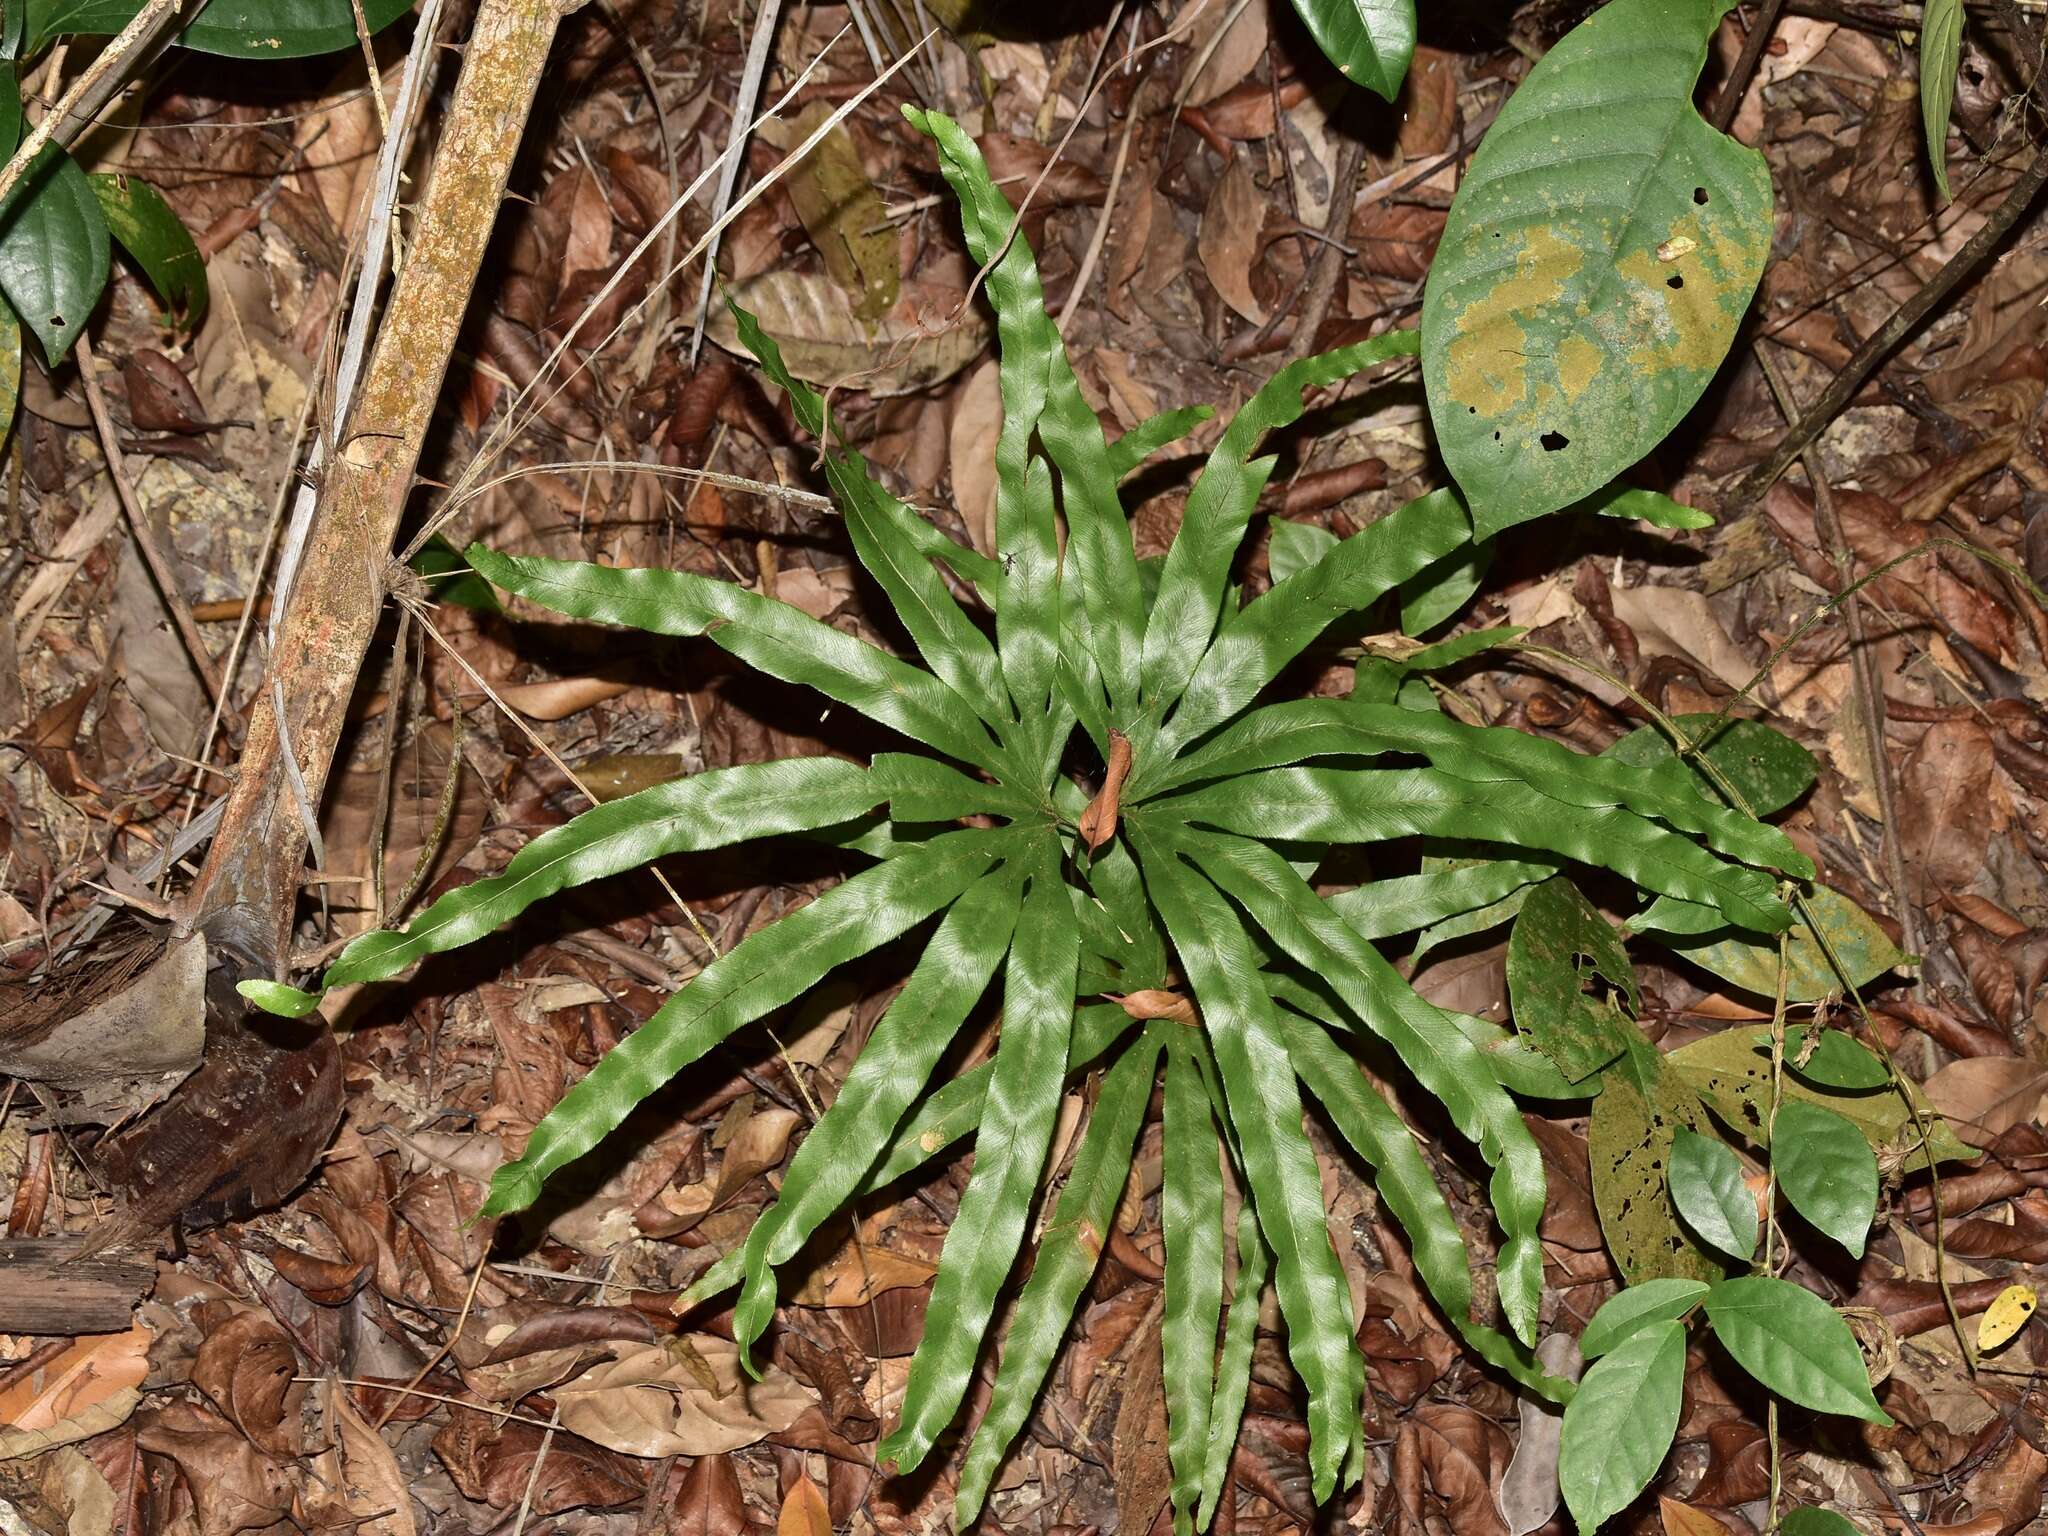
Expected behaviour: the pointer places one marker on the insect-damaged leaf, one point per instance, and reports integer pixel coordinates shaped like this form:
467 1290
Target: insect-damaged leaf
1558 948
1642 1106
1599 255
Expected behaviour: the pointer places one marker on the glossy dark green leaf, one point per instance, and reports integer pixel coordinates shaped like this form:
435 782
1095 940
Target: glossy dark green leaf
768 968
1708 1189
890 1072
1827 1171
1620 1424
1769 769
1558 952
778 639
1010 1147
1067 1256
1794 1343
242 29
142 222
1654 1301
1332 805
54 250
1600 253
1371 41
1266 1113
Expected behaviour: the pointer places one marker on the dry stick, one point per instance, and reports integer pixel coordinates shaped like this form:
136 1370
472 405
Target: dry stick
144 530
1729 102
1880 342
331 614
105 75
1329 262
1867 683
729 173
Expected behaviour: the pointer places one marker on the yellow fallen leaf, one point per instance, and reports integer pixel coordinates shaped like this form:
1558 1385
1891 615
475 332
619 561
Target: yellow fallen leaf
2006 1316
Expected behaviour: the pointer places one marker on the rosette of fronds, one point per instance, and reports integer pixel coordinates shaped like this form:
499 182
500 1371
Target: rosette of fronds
1183 876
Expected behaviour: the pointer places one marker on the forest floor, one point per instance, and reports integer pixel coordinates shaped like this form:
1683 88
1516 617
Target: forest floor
361 1358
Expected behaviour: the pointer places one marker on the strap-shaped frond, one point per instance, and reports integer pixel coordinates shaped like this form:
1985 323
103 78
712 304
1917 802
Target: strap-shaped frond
707 810
764 970
891 541
1373 805
1190 601
1479 754
1153 434
941 1118
925 789
891 1071
782 641
1191 1216
1234 1368
1067 1257
1428 1044
1402 1177
1379 909
1009 1155
1266 1112
1254 646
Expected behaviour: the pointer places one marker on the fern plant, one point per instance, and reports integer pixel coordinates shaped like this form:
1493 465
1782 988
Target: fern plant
1164 922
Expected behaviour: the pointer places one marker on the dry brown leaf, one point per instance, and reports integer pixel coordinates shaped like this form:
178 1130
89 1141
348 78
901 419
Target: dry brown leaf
804 1510
1685 1520
1670 621
971 443
1458 1455
494 1462
1983 1096
1953 802
234 1486
1138 1444
1237 52
1229 243
246 1366
370 1483
652 1400
913 346
709 1501
841 210
561 697
1529 1490
86 1389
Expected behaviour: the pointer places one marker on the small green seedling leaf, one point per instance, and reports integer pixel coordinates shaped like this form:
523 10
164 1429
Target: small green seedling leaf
1620 1423
1827 1171
1793 1343
275 997
1654 1301
147 230
1941 48
1707 1188
1599 255
1634 504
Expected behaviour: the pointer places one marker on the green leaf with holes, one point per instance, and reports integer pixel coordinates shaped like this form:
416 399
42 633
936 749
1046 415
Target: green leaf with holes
54 250
1642 1106
1559 952
241 29
157 239
1847 934
1598 258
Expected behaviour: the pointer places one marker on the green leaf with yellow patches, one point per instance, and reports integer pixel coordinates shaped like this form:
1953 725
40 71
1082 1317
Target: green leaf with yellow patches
1598 258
